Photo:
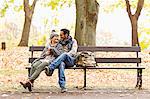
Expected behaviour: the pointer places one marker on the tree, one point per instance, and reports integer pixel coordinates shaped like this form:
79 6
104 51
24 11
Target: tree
143 29
86 21
29 10
5 6
134 20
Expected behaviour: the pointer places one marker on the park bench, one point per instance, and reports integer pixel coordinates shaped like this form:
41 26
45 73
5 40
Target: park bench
134 49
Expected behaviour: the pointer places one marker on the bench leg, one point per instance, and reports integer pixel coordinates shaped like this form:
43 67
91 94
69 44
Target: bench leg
139 79
137 84
29 72
84 78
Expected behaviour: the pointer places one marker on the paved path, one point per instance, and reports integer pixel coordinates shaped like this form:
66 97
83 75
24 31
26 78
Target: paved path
87 94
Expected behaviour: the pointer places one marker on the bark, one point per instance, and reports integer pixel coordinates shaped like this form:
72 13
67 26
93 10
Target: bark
134 20
28 18
86 21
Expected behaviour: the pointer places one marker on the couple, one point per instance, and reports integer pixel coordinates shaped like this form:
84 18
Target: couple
57 54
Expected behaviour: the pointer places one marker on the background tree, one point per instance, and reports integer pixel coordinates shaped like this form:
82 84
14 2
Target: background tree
29 10
137 30
86 21
134 20
6 5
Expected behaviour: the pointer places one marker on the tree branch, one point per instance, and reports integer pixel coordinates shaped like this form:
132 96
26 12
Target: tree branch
33 5
26 5
128 8
139 8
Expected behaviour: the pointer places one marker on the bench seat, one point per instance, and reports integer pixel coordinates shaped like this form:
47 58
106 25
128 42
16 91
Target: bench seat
130 60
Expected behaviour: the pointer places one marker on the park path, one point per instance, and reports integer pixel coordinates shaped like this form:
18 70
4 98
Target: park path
80 94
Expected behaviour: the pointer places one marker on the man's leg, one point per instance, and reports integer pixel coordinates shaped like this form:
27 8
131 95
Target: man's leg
61 75
62 58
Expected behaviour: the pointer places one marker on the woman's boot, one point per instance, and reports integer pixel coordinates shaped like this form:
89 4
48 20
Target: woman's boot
28 85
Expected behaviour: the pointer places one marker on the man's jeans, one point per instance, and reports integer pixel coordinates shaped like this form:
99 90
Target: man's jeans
60 62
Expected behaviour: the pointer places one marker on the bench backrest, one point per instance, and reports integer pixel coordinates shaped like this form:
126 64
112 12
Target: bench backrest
135 49
95 49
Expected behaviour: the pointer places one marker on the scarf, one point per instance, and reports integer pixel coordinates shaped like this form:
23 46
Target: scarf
67 43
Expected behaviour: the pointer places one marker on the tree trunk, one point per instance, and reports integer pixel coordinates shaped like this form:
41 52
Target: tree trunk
134 20
25 32
134 25
29 10
86 21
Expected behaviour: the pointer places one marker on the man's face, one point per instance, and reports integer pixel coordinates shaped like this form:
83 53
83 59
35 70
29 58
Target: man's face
63 36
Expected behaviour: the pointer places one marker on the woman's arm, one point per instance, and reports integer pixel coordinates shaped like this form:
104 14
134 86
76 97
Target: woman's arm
45 52
58 50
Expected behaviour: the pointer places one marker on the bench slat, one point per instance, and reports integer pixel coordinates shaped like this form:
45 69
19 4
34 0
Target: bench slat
97 48
101 68
110 49
109 60
36 48
118 60
115 68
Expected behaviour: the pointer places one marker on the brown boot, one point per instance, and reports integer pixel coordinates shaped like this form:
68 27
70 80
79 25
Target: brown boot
24 85
32 81
28 85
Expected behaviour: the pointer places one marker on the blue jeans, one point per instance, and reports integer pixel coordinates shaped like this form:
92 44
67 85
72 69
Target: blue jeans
62 61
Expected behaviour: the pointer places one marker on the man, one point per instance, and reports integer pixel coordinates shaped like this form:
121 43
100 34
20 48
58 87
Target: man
65 59
50 52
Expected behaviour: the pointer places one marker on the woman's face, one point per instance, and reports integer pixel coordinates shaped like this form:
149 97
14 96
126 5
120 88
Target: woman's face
55 39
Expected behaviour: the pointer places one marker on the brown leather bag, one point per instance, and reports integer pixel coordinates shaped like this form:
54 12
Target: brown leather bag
85 58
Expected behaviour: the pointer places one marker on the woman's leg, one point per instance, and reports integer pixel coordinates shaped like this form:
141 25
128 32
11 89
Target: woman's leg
38 67
38 70
35 64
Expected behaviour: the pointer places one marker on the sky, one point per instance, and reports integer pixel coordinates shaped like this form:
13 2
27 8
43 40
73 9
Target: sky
116 23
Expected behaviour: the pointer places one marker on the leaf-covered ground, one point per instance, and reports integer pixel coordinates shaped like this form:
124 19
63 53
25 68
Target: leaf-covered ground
14 60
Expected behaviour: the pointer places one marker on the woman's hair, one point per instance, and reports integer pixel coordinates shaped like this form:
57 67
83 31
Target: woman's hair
53 35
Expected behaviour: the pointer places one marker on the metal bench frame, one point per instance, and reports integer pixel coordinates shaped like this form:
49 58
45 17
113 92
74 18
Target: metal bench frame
134 49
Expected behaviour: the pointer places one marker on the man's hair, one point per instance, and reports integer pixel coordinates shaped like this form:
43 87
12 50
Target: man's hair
66 31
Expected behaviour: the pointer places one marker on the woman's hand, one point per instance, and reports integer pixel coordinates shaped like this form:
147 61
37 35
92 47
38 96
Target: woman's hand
49 51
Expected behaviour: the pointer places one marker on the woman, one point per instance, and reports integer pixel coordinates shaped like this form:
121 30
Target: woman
50 52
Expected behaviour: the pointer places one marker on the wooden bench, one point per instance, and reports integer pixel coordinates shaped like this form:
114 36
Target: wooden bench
135 59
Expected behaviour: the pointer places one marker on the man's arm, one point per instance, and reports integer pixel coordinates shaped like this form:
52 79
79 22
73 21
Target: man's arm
74 48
